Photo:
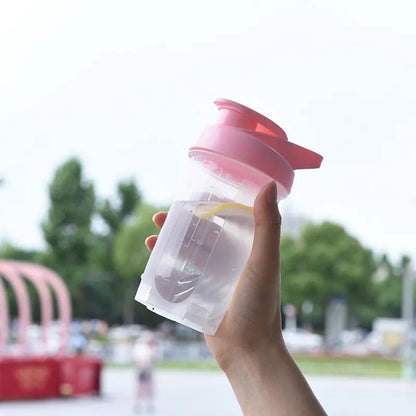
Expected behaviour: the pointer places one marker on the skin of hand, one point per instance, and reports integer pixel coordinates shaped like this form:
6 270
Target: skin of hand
249 345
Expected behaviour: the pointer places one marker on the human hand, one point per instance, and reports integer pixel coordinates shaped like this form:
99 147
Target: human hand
253 317
248 344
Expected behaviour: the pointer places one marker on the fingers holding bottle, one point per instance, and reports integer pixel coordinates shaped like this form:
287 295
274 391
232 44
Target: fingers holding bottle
159 219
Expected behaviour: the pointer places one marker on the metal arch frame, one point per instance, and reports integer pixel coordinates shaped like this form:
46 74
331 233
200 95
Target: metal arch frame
41 277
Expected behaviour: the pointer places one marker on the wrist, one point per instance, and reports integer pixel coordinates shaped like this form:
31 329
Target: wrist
255 358
252 374
267 381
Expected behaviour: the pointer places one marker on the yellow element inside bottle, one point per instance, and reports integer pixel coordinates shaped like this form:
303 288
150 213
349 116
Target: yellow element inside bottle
222 209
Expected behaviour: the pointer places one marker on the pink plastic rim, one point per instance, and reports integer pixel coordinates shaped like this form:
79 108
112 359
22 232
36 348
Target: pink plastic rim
248 137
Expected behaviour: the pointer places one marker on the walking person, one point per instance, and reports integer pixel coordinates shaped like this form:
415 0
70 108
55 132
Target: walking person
145 356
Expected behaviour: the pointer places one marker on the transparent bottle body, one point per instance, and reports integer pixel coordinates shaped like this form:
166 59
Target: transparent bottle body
202 248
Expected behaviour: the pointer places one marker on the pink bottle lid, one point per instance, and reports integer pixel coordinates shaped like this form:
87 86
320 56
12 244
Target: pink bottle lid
242 135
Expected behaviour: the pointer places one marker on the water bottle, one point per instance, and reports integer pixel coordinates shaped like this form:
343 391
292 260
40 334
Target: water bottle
207 236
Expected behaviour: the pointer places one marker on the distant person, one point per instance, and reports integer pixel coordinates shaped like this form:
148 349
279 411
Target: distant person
145 356
249 345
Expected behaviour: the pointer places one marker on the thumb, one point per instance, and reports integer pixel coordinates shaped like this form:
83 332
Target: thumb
264 260
256 294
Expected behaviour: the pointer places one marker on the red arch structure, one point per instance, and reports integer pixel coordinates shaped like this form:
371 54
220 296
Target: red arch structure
26 376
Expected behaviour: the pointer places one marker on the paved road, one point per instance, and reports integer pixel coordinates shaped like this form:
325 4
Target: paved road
200 393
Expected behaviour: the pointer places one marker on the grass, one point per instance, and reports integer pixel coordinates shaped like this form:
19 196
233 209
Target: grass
348 366
319 365
189 365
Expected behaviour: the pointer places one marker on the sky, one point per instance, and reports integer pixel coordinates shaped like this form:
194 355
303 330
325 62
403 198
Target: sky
127 87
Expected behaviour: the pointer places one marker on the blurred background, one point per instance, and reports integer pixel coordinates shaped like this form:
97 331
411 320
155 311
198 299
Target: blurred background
99 103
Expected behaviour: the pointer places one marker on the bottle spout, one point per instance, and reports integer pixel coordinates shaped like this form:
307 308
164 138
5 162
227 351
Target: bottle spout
297 156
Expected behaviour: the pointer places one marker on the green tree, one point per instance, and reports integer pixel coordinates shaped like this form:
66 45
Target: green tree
67 229
130 257
78 248
324 262
114 213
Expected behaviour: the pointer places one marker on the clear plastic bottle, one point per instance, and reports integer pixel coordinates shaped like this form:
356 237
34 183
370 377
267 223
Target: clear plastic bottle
206 239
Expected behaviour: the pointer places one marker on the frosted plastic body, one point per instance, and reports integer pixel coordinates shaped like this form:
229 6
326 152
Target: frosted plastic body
195 265
194 268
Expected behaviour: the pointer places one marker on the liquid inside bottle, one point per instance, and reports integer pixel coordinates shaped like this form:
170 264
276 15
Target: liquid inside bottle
215 240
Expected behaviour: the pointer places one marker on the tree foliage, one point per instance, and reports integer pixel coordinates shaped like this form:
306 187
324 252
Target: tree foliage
82 255
130 257
115 214
323 263
67 228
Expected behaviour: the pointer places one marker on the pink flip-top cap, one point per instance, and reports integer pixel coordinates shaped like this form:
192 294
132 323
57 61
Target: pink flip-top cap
245 136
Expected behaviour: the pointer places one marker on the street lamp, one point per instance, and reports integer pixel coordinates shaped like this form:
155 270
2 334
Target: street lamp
408 317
